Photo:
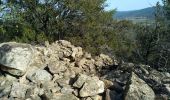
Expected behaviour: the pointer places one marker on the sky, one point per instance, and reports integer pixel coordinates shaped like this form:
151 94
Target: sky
126 5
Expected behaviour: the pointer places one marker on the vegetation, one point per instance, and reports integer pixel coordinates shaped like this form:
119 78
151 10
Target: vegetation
86 23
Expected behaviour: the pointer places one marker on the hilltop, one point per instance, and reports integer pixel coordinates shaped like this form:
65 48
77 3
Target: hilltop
142 13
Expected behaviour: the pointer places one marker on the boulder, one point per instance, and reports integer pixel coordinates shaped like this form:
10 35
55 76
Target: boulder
137 89
39 76
91 87
15 57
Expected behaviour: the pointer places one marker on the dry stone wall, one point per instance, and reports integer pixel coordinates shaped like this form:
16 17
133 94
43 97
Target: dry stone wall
61 71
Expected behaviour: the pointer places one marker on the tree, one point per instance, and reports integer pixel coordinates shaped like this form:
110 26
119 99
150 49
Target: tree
57 19
153 42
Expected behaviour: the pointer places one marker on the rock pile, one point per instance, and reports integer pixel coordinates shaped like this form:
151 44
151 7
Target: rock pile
61 71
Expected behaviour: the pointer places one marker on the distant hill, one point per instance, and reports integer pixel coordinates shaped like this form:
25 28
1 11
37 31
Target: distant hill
147 13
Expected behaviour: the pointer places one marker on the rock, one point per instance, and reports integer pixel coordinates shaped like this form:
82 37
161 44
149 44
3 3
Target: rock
88 98
63 81
67 89
57 66
156 76
64 97
81 80
51 86
15 57
87 55
10 78
5 88
162 97
167 74
167 86
18 90
96 97
65 43
112 95
144 69
91 87
127 66
137 89
87 65
107 83
77 52
39 76
39 58
103 60
33 93
166 80
117 87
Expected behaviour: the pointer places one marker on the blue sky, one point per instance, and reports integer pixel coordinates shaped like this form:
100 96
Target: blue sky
126 5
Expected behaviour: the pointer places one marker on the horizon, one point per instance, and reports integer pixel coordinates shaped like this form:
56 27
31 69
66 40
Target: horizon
131 5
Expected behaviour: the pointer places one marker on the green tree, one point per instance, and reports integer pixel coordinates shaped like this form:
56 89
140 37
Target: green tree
56 18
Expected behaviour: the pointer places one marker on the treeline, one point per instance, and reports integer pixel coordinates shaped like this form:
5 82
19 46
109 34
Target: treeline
86 23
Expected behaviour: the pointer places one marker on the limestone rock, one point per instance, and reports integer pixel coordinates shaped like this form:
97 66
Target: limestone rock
65 97
103 60
168 88
18 90
96 97
57 66
5 87
67 89
15 57
81 80
65 43
87 65
92 87
138 90
39 75
77 52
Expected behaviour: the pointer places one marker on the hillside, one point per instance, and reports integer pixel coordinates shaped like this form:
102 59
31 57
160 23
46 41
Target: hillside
147 13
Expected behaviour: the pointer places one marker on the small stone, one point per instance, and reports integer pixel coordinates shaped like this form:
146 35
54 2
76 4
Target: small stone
103 60
18 90
65 43
5 88
87 55
67 90
64 97
96 97
63 81
92 87
39 76
57 66
77 52
81 80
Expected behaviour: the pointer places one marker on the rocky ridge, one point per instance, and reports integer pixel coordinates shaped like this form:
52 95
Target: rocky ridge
61 71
